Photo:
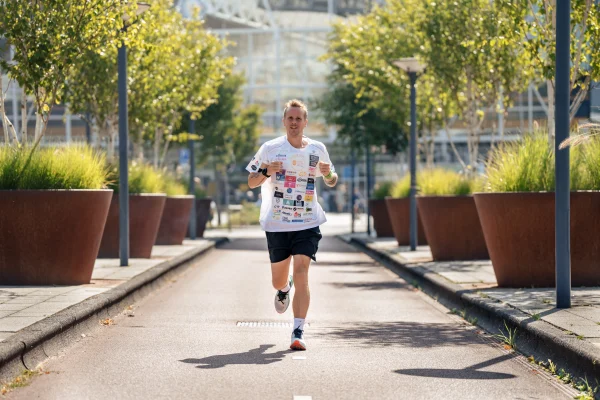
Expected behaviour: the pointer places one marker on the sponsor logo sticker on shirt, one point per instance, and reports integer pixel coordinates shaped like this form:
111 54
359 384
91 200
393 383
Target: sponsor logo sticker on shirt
308 198
279 195
300 180
314 160
309 209
310 192
310 180
254 167
290 184
285 219
310 186
290 178
297 214
299 197
289 203
302 174
280 176
288 196
297 220
299 203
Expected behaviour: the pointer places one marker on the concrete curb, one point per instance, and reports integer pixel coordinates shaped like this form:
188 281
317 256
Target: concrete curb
46 338
535 337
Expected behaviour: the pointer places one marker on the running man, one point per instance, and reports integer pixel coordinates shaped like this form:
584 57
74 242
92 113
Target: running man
286 169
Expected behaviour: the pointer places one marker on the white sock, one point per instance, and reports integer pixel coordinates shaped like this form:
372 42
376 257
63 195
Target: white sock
299 323
286 288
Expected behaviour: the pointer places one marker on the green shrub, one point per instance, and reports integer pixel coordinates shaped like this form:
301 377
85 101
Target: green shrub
589 160
142 179
174 186
248 215
383 190
402 188
443 182
70 167
526 165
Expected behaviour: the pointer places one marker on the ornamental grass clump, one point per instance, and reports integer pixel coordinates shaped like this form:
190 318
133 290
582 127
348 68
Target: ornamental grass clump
402 188
173 187
383 190
56 168
526 165
142 179
443 182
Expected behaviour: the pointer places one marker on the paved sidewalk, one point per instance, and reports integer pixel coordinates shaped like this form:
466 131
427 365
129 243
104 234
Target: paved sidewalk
22 306
579 325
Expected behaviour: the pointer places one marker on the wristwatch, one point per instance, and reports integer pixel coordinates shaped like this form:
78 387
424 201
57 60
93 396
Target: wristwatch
264 172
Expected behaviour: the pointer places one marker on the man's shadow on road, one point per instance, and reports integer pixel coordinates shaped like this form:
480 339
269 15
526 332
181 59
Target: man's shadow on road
254 357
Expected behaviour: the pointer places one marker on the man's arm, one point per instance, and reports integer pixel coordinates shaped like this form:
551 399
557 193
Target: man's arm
331 179
255 179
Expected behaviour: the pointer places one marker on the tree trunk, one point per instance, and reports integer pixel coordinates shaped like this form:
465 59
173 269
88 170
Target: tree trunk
24 117
550 85
111 134
226 181
157 139
217 197
2 111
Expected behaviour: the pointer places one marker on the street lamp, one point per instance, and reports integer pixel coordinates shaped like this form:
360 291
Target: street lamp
123 134
413 67
562 121
192 183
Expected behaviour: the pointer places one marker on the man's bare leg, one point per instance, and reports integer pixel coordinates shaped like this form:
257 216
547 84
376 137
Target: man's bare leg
280 273
302 295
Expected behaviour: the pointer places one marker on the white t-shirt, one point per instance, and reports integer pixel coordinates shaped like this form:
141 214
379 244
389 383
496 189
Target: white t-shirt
289 197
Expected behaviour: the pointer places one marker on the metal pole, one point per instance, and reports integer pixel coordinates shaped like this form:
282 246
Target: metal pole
352 184
123 165
368 167
563 241
413 161
192 185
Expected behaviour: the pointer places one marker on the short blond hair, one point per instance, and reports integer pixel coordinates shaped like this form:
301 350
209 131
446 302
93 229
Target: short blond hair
296 103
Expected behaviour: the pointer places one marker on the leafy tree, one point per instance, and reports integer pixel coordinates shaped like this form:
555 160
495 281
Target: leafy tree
227 130
533 25
49 37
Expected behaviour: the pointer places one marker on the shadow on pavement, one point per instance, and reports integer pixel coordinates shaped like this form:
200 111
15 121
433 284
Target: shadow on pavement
398 334
245 244
371 285
346 264
252 357
464 373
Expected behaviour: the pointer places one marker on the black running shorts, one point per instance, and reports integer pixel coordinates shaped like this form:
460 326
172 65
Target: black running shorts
283 244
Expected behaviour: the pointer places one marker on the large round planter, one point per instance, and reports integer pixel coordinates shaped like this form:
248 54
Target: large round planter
175 220
50 237
519 233
399 212
145 211
452 228
381 218
202 215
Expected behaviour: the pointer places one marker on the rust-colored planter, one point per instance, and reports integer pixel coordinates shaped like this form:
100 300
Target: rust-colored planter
145 211
50 237
202 215
399 212
175 220
381 218
519 233
452 228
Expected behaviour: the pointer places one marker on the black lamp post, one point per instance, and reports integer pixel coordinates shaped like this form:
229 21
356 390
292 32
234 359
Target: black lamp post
413 67
123 135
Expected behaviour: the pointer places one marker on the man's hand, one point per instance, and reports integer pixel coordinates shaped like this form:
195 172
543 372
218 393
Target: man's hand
329 178
325 168
274 167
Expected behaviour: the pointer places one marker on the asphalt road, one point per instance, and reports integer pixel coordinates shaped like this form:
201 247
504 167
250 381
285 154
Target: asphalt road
371 336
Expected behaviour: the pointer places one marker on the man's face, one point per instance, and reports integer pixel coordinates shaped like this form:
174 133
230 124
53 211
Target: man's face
294 121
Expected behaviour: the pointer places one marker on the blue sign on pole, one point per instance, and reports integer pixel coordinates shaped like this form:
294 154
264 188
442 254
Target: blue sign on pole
184 156
347 171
